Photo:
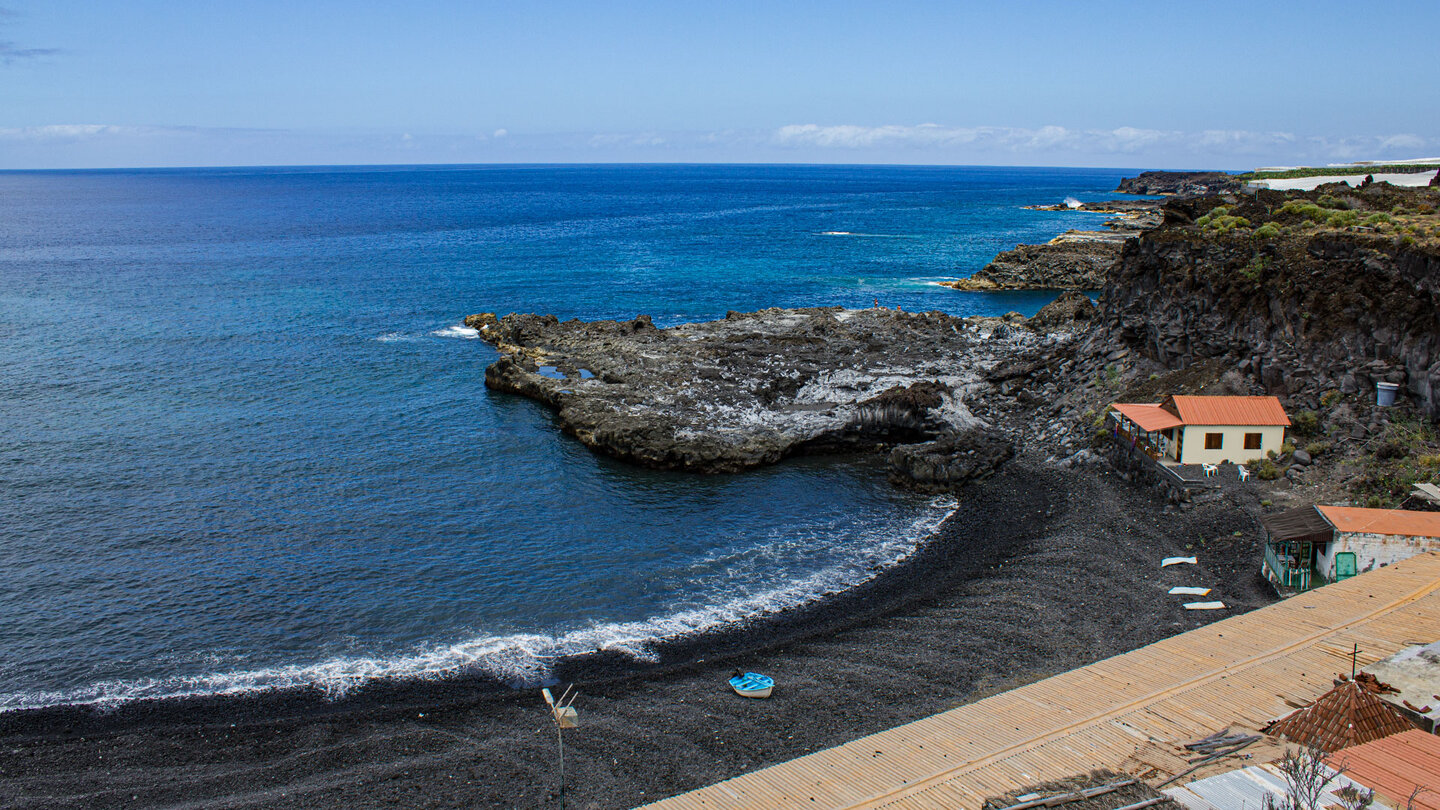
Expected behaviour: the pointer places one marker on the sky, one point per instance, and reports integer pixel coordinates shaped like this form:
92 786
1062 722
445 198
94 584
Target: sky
1216 84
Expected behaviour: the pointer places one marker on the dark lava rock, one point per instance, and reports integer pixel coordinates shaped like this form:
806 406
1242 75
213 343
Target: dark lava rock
1179 183
752 388
1070 308
1079 260
949 461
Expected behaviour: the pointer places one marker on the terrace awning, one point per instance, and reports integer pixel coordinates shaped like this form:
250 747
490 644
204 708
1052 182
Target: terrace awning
1305 523
1149 418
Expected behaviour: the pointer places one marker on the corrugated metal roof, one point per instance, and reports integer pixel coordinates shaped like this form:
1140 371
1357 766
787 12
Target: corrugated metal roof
1196 410
1298 524
1396 765
1346 715
1383 521
1148 417
1244 788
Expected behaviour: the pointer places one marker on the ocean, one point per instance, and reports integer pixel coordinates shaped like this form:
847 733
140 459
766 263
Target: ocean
245 441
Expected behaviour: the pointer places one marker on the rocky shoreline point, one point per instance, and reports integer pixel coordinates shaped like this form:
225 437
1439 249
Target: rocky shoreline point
1074 260
1311 296
752 388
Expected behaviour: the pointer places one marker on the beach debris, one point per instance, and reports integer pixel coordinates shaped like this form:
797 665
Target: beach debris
1182 590
1169 561
1217 746
1073 796
752 684
1204 605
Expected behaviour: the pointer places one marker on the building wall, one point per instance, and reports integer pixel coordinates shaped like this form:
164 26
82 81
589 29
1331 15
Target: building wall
1372 550
1232 446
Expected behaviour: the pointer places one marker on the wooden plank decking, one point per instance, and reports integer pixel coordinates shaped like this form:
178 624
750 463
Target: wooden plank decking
1240 670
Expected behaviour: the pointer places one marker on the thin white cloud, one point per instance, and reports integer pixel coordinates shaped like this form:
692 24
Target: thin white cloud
1058 141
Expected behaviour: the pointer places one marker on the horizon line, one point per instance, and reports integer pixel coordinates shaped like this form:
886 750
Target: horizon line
584 164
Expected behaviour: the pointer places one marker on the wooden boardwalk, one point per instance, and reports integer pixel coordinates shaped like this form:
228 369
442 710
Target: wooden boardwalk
1241 670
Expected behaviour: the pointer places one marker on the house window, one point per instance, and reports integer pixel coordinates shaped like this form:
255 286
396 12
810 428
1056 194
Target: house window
1212 440
1252 441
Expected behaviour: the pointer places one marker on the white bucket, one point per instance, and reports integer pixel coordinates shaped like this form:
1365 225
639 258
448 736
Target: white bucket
1385 393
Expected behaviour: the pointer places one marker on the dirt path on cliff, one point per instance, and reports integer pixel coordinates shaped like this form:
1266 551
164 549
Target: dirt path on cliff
1040 570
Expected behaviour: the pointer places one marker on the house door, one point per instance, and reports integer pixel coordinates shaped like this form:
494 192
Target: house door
1344 565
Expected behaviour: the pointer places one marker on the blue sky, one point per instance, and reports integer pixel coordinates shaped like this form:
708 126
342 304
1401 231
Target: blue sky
1129 84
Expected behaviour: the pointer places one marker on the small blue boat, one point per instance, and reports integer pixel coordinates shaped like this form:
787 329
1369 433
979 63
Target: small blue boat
752 685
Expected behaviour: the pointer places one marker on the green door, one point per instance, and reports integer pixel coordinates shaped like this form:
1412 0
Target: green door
1344 565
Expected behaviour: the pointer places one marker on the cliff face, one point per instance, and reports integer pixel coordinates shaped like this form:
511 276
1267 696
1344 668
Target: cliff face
1333 290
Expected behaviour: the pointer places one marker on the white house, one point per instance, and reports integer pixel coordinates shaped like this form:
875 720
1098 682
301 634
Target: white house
1374 537
1205 430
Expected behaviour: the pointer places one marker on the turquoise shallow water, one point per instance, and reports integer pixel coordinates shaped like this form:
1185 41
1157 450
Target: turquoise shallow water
245 443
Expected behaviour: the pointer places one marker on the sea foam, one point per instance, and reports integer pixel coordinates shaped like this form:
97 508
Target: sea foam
520 659
457 331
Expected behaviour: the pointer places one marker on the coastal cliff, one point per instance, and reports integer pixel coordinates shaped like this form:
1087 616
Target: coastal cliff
1335 289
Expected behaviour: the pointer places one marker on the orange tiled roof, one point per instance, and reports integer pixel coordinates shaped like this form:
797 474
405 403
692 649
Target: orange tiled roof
1382 521
1394 766
1148 417
1346 715
1196 410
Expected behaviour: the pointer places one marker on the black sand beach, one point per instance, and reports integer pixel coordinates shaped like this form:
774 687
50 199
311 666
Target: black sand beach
1038 571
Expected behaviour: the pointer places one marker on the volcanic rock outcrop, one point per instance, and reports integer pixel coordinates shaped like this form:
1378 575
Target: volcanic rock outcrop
752 388
1078 260
1179 183
950 461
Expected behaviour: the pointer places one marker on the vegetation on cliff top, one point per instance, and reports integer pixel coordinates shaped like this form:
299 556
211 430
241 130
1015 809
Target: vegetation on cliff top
1341 171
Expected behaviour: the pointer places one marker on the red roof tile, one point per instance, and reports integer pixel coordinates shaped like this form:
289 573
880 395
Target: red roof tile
1148 417
1382 521
1197 410
1346 715
1394 766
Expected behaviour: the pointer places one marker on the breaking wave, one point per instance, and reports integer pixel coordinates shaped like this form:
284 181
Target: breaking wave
525 659
457 331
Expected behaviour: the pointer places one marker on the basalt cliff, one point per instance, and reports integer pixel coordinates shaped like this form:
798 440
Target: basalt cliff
1305 292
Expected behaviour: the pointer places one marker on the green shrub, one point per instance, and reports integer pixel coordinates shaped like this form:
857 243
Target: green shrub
1318 448
1287 447
1377 219
1255 268
1343 219
1327 201
1306 423
1267 231
1330 398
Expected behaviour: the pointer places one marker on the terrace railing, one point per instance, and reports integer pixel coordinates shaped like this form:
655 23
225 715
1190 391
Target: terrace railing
1287 575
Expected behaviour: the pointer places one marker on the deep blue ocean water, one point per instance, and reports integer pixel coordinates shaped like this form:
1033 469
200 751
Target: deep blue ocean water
245 442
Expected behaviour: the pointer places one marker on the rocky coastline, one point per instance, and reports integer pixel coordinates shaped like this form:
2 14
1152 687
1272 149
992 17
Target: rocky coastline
1074 260
1179 183
1314 297
753 388
1311 296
